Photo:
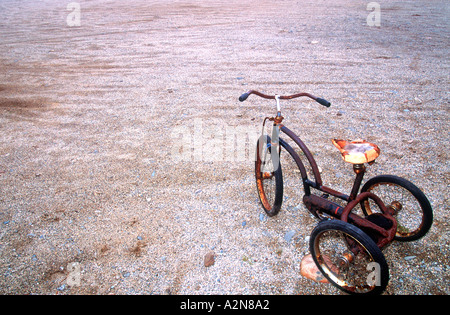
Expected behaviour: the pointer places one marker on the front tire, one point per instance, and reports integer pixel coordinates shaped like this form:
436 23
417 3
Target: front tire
269 177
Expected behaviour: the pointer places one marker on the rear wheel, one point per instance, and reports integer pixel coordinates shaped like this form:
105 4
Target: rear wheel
411 208
269 178
349 258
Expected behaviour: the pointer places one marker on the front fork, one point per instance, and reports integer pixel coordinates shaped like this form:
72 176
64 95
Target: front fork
274 145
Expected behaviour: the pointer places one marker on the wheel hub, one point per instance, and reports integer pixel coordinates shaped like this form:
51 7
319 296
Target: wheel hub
395 207
346 259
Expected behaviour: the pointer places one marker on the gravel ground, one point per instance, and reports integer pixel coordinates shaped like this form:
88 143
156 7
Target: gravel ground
121 139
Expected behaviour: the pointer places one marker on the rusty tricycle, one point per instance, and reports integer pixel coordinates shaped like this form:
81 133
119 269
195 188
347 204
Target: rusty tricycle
347 243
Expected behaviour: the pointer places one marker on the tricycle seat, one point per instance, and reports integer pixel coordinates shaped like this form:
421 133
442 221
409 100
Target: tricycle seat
358 151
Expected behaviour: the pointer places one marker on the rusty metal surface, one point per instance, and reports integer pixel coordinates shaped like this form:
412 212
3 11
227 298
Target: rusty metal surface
382 235
306 151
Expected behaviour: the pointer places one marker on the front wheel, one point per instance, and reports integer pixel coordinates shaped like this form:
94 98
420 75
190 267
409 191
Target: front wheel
349 258
410 206
269 177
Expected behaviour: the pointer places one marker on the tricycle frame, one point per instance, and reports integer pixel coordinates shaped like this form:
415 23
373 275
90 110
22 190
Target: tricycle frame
368 233
320 204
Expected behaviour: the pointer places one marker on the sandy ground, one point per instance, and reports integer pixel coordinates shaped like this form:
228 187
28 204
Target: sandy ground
120 157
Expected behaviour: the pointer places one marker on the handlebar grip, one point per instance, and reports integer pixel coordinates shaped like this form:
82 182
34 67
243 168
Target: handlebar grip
243 97
323 102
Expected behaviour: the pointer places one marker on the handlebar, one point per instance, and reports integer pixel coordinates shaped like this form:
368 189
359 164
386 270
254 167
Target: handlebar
319 100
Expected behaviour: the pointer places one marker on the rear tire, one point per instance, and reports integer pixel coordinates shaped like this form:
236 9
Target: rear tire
414 214
347 256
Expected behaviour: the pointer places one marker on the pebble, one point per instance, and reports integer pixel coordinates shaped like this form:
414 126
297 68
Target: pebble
407 258
209 259
262 217
289 235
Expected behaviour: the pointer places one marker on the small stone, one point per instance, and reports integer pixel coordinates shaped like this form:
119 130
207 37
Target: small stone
209 259
289 235
125 274
407 258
